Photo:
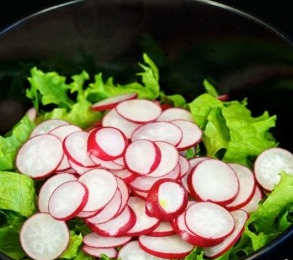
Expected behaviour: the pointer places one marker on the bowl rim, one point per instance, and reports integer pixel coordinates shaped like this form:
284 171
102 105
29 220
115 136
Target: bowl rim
277 241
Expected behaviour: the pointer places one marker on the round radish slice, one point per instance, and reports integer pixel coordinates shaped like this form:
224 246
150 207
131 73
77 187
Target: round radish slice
269 164
240 218
98 252
191 134
159 131
102 186
124 174
40 156
95 240
139 110
164 229
68 200
253 203
44 238
166 200
184 166
132 251
144 223
107 143
174 113
124 193
209 221
48 188
79 169
113 119
171 247
109 165
31 113
75 147
168 161
246 186
213 180
64 130
46 126
111 102
142 157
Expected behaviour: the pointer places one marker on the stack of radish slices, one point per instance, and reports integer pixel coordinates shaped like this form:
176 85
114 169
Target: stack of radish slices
129 180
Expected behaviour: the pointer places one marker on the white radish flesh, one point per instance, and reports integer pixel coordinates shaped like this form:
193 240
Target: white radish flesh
95 240
98 252
40 156
174 113
164 229
64 130
44 238
139 110
253 203
46 126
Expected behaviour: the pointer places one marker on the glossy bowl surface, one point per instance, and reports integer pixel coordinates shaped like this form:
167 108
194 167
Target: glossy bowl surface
188 39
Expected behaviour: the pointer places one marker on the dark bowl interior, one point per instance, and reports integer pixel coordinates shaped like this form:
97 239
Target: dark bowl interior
188 40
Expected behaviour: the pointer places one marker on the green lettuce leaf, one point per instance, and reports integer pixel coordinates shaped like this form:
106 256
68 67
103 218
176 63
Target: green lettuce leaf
73 247
17 193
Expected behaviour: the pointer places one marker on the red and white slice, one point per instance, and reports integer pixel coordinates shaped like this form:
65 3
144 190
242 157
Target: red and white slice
98 252
209 221
253 204
111 102
48 188
240 218
139 110
39 156
213 180
67 200
46 126
124 174
269 164
170 247
44 238
102 186
174 113
164 229
166 200
64 130
109 165
159 131
107 143
142 157
95 240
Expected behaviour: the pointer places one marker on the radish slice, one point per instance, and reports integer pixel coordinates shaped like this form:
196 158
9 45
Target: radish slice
240 218
107 143
44 238
159 131
64 130
174 113
269 164
164 229
169 159
40 156
48 188
171 247
139 110
132 251
31 113
113 119
252 205
111 102
98 252
75 147
109 165
117 226
209 221
95 240
79 169
209 180
46 126
184 166
191 134
102 186
124 190
166 200
247 185
126 175
144 223
142 157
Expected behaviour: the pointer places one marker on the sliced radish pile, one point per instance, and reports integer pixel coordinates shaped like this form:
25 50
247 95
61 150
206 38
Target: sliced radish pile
269 164
44 238
111 102
128 178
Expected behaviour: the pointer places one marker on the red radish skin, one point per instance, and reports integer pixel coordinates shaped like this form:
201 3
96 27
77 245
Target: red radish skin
125 175
164 229
253 204
138 110
71 191
95 240
142 157
209 221
44 238
39 156
171 247
184 166
46 126
240 217
208 181
48 188
98 252
269 164
125 193
174 113
159 131
111 102
166 200
107 143
109 165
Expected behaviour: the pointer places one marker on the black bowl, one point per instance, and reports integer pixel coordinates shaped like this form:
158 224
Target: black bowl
189 40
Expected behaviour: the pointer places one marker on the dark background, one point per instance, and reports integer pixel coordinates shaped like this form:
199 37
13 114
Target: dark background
276 13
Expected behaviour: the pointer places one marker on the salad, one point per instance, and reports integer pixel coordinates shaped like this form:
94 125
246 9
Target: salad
68 187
